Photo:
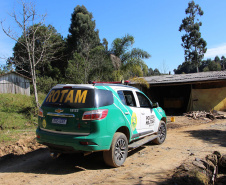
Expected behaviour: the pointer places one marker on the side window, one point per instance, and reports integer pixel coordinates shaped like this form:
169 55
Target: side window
144 102
127 98
122 97
103 98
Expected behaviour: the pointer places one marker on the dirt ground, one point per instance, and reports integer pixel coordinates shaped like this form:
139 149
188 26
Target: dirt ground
25 162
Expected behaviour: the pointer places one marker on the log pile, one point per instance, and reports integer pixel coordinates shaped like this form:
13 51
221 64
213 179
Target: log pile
208 170
211 164
212 115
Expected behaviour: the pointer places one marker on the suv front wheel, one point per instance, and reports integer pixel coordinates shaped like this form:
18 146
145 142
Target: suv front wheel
117 154
161 133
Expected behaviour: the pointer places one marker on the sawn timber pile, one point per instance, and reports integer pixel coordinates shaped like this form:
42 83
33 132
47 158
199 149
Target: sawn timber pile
208 116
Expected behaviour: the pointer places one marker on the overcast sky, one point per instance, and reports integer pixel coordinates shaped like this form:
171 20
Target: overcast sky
154 24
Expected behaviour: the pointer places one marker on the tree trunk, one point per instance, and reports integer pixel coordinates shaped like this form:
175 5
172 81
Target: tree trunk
33 76
197 69
35 91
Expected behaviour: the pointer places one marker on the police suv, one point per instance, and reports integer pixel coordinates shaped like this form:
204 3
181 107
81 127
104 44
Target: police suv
112 118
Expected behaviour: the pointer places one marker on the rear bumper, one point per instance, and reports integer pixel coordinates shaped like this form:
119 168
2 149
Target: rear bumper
68 143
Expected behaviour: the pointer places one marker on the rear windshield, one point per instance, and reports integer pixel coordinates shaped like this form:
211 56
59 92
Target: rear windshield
78 98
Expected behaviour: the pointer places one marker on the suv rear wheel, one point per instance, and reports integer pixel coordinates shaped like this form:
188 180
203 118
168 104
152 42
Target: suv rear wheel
117 154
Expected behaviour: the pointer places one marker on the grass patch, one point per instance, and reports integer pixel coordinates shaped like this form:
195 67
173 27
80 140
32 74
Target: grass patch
17 112
12 136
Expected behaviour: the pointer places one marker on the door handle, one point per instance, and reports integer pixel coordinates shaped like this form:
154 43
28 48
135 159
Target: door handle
126 113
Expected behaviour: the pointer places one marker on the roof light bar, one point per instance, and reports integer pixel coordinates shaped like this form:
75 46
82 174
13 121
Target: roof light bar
67 87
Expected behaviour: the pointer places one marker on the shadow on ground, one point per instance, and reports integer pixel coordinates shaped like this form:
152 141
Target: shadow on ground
210 136
186 180
40 162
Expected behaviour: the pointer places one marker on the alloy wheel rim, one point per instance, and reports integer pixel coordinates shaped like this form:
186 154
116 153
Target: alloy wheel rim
162 132
120 149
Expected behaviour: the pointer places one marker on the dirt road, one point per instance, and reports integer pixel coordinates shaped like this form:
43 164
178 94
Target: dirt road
149 164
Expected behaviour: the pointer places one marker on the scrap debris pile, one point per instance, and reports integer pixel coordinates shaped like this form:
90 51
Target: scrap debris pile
212 115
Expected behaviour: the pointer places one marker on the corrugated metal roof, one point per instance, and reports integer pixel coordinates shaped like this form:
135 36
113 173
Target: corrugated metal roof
185 78
16 74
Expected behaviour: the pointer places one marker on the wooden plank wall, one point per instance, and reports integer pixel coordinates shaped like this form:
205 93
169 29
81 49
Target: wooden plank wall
13 83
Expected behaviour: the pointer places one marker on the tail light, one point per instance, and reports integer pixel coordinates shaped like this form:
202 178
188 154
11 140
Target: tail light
95 114
40 112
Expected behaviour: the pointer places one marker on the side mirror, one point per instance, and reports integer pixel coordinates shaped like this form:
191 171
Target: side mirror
155 105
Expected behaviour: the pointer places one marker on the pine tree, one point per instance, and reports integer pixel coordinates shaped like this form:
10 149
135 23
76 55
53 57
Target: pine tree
83 36
192 42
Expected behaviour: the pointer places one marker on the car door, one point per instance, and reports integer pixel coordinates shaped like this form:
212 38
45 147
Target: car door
147 118
130 110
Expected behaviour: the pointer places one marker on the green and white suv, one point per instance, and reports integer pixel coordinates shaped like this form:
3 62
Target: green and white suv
112 118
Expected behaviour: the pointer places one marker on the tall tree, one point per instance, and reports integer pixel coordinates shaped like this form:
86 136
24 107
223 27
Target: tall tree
82 38
53 62
83 34
192 42
223 62
29 23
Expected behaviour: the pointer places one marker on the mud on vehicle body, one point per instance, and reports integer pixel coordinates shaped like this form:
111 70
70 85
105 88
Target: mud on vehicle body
111 118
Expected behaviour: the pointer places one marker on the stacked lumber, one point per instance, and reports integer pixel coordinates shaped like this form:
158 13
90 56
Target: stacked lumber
212 115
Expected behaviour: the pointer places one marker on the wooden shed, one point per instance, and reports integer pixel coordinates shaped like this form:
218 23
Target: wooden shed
15 83
186 92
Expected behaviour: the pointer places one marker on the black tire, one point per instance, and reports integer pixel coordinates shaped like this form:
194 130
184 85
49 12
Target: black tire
161 133
117 154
